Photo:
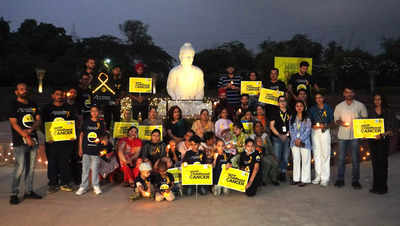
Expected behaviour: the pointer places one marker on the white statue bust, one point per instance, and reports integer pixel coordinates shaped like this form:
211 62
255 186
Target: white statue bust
185 81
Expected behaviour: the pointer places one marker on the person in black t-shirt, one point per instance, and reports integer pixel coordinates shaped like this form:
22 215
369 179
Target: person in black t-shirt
301 80
279 125
274 84
24 120
163 183
90 138
84 98
221 159
58 153
143 186
250 161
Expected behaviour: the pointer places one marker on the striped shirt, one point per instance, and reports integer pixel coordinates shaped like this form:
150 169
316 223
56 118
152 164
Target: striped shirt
232 96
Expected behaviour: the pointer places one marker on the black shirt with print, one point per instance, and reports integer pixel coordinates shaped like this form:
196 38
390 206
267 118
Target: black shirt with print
26 116
225 158
139 181
278 85
281 120
161 184
92 132
301 82
247 162
192 157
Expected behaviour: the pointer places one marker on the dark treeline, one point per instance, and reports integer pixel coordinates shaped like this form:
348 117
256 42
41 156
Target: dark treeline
46 46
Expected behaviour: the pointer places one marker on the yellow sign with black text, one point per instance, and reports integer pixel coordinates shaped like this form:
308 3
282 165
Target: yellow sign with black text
270 96
290 65
248 127
176 173
121 128
368 128
250 87
197 174
145 131
60 131
140 85
233 179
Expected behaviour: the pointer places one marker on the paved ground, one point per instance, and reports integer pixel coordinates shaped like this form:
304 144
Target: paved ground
284 205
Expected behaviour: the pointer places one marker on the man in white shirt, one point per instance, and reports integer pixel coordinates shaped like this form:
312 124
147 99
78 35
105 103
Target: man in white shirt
344 114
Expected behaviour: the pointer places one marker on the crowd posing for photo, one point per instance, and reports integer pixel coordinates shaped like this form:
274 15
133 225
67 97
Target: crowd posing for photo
300 125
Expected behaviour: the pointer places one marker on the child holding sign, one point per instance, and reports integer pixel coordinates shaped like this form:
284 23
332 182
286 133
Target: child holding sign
221 159
250 161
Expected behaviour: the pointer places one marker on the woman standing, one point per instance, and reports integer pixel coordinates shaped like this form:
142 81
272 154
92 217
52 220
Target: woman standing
300 131
380 146
204 124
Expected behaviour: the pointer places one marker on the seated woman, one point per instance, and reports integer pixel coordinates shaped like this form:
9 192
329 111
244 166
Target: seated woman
128 153
204 124
260 116
176 127
208 146
250 161
153 119
153 150
237 143
222 124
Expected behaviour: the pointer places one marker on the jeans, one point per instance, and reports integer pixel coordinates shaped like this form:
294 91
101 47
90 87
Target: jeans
281 150
90 162
355 157
25 159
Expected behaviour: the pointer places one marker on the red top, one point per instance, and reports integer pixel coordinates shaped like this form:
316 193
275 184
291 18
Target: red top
130 144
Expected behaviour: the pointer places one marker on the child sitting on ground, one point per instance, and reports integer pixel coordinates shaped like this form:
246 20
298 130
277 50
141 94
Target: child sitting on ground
142 183
163 183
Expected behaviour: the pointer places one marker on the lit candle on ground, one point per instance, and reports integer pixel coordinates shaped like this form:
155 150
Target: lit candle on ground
346 124
147 194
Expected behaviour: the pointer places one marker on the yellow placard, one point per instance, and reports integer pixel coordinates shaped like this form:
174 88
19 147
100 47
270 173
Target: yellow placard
270 96
140 85
368 128
197 174
290 65
233 179
145 131
250 87
121 128
60 130
176 172
248 127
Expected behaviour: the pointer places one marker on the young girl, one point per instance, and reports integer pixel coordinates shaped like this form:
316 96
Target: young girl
250 161
92 130
143 186
221 159
222 125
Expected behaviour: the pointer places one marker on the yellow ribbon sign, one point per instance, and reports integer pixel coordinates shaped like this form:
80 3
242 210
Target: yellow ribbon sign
121 128
60 131
290 65
248 127
233 179
197 174
145 131
103 79
176 172
368 128
140 85
250 87
270 96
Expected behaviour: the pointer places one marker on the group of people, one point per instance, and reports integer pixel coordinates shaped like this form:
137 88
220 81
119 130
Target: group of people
240 133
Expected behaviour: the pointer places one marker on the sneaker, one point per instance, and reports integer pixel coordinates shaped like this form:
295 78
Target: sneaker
324 184
97 190
52 189
32 195
316 181
81 191
356 185
339 183
66 187
14 200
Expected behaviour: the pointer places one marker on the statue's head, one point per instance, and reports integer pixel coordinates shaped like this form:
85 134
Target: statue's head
186 54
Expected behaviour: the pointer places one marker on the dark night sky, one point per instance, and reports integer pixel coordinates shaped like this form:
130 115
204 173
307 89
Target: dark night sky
208 23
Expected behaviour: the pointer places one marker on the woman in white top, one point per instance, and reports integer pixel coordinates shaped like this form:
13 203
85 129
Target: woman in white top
222 124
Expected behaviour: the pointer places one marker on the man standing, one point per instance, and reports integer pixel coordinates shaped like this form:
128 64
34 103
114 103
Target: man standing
344 114
140 101
24 120
274 84
90 66
58 153
231 83
84 98
301 80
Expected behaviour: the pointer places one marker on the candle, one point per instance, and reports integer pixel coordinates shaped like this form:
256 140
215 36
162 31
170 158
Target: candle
168 146
231 82
68 94
318 125
240 110
97 140
215 155
147 194
346 124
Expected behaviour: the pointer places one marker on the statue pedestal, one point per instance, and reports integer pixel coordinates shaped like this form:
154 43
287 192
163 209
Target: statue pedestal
190 108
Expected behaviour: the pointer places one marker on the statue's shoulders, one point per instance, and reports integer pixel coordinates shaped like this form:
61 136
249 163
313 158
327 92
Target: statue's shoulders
197 69
175 69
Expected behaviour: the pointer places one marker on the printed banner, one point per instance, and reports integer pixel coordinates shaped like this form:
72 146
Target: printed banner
250 87
368 128
270 96
145 131
121 128
140 85
60 131
176 172
290 65
248 127
197 174
233 179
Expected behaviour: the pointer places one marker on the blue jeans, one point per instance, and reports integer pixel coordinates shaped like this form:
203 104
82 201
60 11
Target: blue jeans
281 150
90 162
25 159
355 157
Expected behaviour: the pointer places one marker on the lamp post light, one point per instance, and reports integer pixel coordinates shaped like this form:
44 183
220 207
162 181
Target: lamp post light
40 73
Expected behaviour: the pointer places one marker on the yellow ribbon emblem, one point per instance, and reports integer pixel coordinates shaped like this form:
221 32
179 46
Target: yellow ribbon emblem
103 83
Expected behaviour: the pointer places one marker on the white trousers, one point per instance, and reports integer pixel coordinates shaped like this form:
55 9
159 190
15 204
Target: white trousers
321 143
301 164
